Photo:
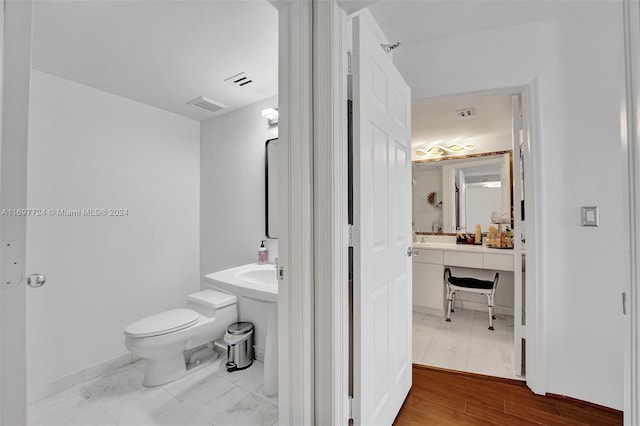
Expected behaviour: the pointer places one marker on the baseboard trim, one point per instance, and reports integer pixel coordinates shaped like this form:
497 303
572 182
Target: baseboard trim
505 380
77 377
520 383
584 403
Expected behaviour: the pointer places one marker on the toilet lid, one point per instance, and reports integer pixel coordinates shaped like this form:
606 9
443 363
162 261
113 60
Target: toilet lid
163 323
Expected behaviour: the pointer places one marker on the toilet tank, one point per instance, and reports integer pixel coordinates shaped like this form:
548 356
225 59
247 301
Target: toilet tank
211 303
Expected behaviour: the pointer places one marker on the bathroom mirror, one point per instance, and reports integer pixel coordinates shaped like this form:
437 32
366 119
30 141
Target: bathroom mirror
271 188
458 194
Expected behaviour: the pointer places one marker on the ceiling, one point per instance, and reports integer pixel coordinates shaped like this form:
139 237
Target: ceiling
161 53
166 53
413 21
436 122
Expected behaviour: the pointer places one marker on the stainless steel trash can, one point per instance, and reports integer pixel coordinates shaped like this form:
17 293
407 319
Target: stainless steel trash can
239 340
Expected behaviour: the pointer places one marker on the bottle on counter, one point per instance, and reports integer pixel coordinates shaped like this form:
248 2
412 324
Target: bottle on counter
478 239
262 253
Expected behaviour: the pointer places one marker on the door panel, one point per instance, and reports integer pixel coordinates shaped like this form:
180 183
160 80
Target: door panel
382 231
380 188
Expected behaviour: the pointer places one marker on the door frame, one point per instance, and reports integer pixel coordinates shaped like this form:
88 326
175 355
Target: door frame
313 250
330 179
334 184
296 212
630 127
331 231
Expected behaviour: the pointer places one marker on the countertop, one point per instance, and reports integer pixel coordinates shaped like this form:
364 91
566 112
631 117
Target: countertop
469 248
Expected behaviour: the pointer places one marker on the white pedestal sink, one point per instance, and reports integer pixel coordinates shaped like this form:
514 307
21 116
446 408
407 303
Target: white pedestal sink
259 282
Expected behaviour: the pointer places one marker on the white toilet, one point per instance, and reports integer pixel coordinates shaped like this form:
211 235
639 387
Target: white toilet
162 339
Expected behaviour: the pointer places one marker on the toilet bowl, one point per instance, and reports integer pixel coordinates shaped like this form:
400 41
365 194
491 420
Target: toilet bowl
162 339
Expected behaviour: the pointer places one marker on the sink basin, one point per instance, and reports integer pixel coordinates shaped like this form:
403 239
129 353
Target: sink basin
259 276
255 281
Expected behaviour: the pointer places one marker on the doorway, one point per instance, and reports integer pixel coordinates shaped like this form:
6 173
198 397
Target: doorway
467 176
97 142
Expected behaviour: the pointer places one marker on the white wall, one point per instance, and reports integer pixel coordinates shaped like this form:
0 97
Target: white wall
480 203
232 202
91 149
232 155
578 61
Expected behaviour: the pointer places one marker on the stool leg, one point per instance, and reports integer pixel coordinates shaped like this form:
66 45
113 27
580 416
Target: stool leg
490 305
449 304
493 305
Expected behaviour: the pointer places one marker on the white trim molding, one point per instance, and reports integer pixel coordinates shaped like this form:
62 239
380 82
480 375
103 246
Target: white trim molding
330 214
295 131
630 127
535 362
15 73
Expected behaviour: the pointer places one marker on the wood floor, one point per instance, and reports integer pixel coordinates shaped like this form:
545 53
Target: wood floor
444 397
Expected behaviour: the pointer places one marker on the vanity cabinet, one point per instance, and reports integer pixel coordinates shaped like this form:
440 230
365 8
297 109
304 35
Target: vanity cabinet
463 259
429 261
499 262
428 281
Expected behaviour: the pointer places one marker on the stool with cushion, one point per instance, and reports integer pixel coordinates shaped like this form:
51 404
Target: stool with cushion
471 285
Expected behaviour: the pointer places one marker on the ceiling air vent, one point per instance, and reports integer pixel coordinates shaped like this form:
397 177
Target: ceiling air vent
239 80
466 113
206 104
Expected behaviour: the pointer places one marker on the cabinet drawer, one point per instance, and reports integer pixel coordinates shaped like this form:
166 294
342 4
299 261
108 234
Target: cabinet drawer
463 259
499 262
427 256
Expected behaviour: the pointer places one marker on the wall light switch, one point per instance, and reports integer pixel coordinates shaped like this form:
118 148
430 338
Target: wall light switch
590 216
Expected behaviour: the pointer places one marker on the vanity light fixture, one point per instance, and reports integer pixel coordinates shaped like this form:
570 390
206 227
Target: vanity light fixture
443 150
457 148
437 150
271 114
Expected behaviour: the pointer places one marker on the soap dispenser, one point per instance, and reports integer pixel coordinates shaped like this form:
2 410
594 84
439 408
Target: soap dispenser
262 253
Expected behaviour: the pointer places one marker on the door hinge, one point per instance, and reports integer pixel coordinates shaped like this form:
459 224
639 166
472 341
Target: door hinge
350 408
624 303
349 66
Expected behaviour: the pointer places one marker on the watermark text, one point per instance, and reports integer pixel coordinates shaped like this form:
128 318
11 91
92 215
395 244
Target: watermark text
65 212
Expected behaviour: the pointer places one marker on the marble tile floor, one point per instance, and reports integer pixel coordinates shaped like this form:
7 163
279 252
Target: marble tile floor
208 395
465 343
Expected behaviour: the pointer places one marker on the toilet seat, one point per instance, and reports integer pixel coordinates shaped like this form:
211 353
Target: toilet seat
163 323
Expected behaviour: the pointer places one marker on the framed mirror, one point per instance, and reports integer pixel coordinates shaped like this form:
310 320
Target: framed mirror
271 188
458 194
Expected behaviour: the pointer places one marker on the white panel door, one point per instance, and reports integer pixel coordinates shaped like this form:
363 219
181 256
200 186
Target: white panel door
382 231
15 67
